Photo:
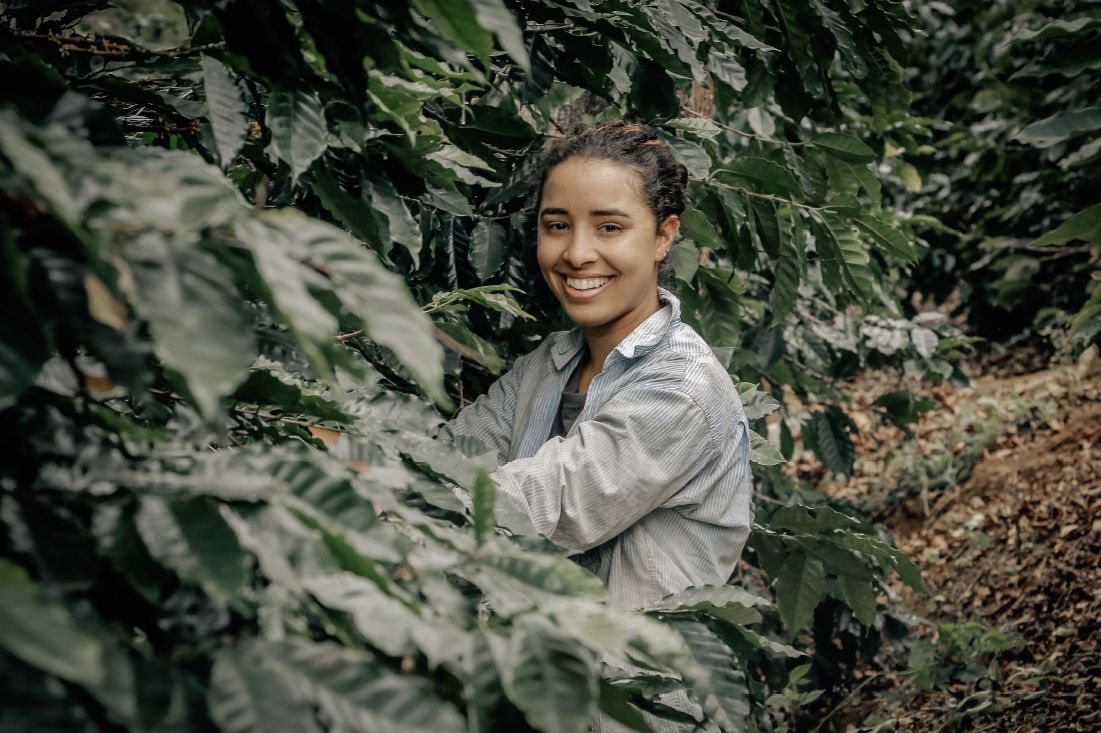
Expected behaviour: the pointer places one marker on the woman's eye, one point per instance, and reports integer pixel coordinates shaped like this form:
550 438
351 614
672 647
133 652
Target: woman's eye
556 226
611 228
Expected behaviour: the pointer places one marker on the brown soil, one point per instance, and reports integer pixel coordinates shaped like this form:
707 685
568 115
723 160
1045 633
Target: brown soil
1017 544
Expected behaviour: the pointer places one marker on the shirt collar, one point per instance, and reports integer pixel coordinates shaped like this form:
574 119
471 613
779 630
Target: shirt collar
645 336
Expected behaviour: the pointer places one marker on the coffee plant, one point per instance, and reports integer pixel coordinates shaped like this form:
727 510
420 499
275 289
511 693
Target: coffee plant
248 275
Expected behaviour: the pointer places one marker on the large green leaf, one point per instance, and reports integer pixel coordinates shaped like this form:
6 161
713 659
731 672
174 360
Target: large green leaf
843 36
766 176
1082 225
190 537
551 678
860 596
42 633
484 496
401 226
727 602
828 436
845 147
838 242
889 557
356 692
494 16
245 696
226 107
199 325
798 589
810 520
298 130
727 701
487 249
1061 126
762 452
386 622
891 239
352 212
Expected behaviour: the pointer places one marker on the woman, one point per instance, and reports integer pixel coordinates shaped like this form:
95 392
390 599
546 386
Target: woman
625 437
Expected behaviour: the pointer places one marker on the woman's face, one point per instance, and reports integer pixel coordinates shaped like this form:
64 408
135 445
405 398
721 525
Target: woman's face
599 244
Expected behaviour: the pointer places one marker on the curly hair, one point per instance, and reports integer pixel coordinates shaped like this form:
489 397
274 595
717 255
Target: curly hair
664 181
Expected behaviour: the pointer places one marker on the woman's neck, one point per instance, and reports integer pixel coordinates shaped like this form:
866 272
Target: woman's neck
603 339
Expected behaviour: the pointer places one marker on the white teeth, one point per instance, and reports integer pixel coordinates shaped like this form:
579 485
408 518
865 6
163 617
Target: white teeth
586 284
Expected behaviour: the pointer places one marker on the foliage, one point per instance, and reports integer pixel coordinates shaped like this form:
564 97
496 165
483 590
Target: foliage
230 266
1008 184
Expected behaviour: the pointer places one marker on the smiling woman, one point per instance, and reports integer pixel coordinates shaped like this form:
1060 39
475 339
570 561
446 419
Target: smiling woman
624 438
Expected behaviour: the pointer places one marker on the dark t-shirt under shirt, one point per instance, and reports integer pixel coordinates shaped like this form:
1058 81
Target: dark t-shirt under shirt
571 405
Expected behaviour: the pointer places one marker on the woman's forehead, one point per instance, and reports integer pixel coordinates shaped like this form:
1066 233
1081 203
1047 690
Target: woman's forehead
585 184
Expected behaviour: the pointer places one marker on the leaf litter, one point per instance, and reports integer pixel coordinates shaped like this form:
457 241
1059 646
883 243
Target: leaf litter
998 499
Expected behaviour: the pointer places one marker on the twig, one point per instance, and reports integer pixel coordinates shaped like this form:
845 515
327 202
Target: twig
739 132
844 703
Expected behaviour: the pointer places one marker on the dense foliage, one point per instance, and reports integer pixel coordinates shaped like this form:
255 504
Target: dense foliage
229 266
1011 170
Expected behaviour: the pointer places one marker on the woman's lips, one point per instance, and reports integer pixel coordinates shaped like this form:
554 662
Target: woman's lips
579 294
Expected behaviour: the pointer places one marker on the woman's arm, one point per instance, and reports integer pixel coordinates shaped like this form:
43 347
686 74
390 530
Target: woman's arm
643 446
491 417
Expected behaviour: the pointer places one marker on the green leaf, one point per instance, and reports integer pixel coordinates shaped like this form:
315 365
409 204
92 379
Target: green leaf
727 602
695 225
227 109
727 700
719 309
298 130
450 201
785 288
352 212
401 226
769 177
844 147
843 36
494 16
762 452
829 438
487 249
1083 225
42 633
903 409
838 561
457 22
470 345
798 589
269 387
811 520
363 286
545 574
891 557
762 642
246 697
484 496
695 125
691 156
1060 126
356 692
848 177
386 622
838 244
891 239
615 703
190 537
686 261
197 318
860 595
550 678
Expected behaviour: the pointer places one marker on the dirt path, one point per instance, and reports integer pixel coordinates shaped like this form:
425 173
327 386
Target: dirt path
1017 544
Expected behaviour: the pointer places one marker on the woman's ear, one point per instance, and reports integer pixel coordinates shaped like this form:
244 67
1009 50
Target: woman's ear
667 234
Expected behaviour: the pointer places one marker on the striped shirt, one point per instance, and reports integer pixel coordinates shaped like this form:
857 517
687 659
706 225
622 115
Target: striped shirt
652 481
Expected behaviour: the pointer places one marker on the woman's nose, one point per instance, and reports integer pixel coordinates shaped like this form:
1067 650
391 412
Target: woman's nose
581 250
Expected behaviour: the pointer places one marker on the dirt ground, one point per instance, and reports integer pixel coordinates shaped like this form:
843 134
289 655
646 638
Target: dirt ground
1016 543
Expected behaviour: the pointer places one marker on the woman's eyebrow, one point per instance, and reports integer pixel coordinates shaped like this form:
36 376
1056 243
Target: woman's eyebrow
549 211
609 212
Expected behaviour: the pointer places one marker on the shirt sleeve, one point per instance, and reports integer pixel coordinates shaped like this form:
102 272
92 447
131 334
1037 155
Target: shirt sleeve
491 417
642 447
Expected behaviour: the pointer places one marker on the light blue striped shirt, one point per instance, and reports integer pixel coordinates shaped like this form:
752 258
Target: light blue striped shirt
653 479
